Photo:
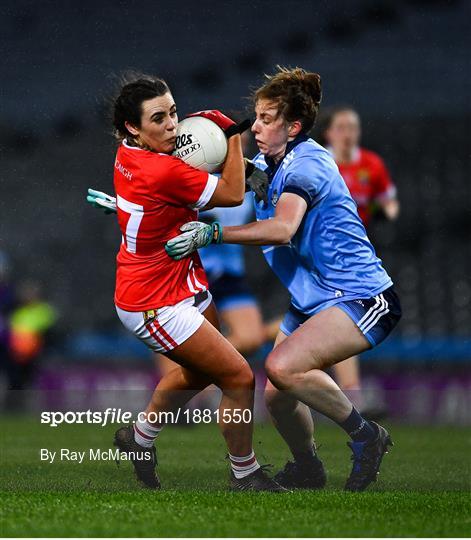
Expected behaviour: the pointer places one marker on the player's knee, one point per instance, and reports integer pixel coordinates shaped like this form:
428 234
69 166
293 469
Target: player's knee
247 378
243 377
277 371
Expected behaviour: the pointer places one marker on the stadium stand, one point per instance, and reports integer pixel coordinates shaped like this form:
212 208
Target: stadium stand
392 63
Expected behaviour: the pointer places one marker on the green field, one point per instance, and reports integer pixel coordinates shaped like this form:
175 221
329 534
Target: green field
424 487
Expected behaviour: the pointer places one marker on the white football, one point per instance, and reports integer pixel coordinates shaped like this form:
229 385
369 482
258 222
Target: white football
201 143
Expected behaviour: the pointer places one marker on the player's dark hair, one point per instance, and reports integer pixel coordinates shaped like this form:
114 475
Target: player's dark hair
330 113
326 118
296 92
127 106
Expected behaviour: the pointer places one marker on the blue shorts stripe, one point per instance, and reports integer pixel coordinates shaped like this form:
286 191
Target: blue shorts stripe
383 311
375 317
370 313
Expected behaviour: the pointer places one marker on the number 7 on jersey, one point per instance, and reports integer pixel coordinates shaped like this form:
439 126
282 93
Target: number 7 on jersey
136 212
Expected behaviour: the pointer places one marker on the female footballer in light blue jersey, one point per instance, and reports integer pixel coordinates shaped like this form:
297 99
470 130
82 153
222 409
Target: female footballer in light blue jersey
342 299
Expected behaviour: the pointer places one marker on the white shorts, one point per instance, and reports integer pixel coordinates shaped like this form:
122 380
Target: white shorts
165 328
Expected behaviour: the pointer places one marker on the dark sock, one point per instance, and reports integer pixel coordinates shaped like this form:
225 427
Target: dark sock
359 429
305 457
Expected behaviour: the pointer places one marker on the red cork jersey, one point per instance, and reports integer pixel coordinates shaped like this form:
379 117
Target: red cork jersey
368 181
155 195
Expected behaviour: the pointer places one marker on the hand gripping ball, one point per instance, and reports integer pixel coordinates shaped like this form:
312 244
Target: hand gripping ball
201 143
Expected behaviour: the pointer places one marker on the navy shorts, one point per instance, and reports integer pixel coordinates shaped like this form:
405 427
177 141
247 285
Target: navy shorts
375 317
231 292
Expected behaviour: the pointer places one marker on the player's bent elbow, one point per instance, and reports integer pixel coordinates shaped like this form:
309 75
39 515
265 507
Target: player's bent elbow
232 199
227 195
285 239
283 234
237 200
277 240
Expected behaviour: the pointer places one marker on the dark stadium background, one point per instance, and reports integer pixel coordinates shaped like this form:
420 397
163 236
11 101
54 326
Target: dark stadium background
403 64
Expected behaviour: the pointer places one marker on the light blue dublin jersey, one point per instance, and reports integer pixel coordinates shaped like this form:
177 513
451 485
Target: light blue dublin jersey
330 258
219 259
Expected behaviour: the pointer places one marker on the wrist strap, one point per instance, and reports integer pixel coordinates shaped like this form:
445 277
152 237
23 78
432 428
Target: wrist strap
217 232
237 129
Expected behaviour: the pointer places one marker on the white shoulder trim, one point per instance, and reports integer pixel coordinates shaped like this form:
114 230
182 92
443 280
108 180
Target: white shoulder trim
208 191
125 143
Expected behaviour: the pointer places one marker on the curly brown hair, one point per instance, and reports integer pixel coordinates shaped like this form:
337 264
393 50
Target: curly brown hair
296 92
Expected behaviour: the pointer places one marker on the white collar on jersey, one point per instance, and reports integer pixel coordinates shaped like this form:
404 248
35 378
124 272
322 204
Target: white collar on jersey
127 145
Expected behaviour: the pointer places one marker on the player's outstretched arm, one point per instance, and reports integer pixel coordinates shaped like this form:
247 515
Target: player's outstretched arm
290 211
279 230
101 200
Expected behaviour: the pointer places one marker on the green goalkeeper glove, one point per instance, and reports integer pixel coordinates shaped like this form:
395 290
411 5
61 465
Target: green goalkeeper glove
195 235
256 180
101 200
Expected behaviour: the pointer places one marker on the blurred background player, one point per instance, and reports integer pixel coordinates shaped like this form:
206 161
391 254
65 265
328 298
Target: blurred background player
31 323
364 171
27 321
375 194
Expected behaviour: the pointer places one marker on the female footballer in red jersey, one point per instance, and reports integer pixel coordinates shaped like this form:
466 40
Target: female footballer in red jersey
372 189
166 303
364 171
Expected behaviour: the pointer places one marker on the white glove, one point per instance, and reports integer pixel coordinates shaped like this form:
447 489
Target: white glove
101 200
195 235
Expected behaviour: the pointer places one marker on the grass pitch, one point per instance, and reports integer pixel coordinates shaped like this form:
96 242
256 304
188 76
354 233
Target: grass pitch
424 487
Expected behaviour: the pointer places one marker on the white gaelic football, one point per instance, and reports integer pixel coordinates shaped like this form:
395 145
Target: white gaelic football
201 143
